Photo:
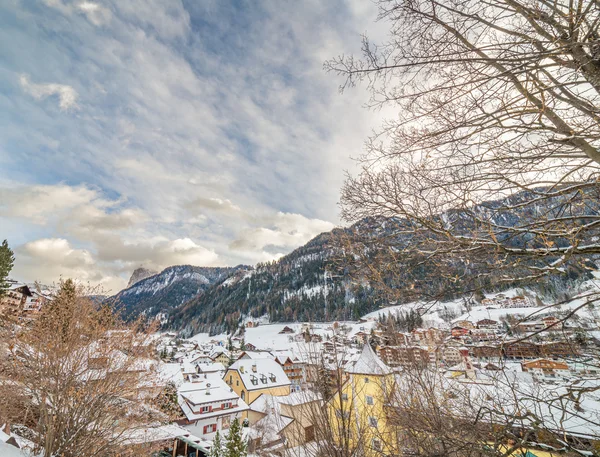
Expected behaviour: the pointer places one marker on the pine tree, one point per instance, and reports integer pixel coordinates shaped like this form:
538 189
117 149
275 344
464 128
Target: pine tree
7 260
235 445
217 447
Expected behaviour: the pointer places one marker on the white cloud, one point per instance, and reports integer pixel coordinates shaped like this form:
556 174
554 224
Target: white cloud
284 232
95 13
67 96
214 146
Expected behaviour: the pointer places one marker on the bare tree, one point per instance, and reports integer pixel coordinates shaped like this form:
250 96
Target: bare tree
490 166
76 379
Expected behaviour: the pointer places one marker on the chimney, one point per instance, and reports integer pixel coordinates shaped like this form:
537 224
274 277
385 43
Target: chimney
208 389
6 428
254 368
241 368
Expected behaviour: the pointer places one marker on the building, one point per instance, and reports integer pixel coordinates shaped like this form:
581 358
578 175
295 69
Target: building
465 324
249 379
532 326
358 415
286 330
521 350
282 423
208 406
545 368
487 324
293 368
397 356
13 301
458 332
220 355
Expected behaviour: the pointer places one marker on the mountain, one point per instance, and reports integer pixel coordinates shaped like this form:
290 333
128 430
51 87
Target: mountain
299 286
164 291
309 285
139 274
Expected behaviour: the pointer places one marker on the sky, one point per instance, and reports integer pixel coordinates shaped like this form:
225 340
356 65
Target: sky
156 133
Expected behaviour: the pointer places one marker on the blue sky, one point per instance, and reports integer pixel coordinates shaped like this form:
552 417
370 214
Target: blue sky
148 132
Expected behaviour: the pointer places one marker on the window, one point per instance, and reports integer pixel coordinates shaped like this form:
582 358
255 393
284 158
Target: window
366 380
309 433
230 380
211 428
344 397
243 395
373 421
206 409
376 444
369 400
226 405
339 413
237 382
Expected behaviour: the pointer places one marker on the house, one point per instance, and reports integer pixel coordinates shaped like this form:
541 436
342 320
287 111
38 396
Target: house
545 368
220 355
211 368
286 330
464 324
519 301
551 323
487 324
251 378
458 331
487 351
521 350
532 326
252 355
361 338
361 407
13 301
293 368
249 346
558 349
395 356
279 420
208 406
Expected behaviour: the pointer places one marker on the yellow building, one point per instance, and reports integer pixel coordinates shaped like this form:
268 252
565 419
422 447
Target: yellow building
250 378
357 412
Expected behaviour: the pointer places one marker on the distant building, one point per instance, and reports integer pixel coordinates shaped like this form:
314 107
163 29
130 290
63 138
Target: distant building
545 368
13 301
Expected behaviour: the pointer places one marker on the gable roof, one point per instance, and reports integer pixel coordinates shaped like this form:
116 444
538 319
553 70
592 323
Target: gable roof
268 373
368 363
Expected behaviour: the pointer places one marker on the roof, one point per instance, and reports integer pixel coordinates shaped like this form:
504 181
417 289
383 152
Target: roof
368 363
268 373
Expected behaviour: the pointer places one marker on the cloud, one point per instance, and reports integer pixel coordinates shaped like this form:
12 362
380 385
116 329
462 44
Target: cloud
49 259
157 253
194 137
212 203
95 13
67 96
284 231
65 205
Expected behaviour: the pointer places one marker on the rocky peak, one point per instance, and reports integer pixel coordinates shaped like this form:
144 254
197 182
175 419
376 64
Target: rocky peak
139 274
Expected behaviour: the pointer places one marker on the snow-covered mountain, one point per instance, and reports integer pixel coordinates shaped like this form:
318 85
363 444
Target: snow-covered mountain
164 291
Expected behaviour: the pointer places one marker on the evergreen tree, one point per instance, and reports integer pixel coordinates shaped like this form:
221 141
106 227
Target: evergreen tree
217 447
235 445
7 260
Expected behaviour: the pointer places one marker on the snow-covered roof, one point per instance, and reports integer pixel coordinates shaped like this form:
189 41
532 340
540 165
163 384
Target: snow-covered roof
368 363
267 373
